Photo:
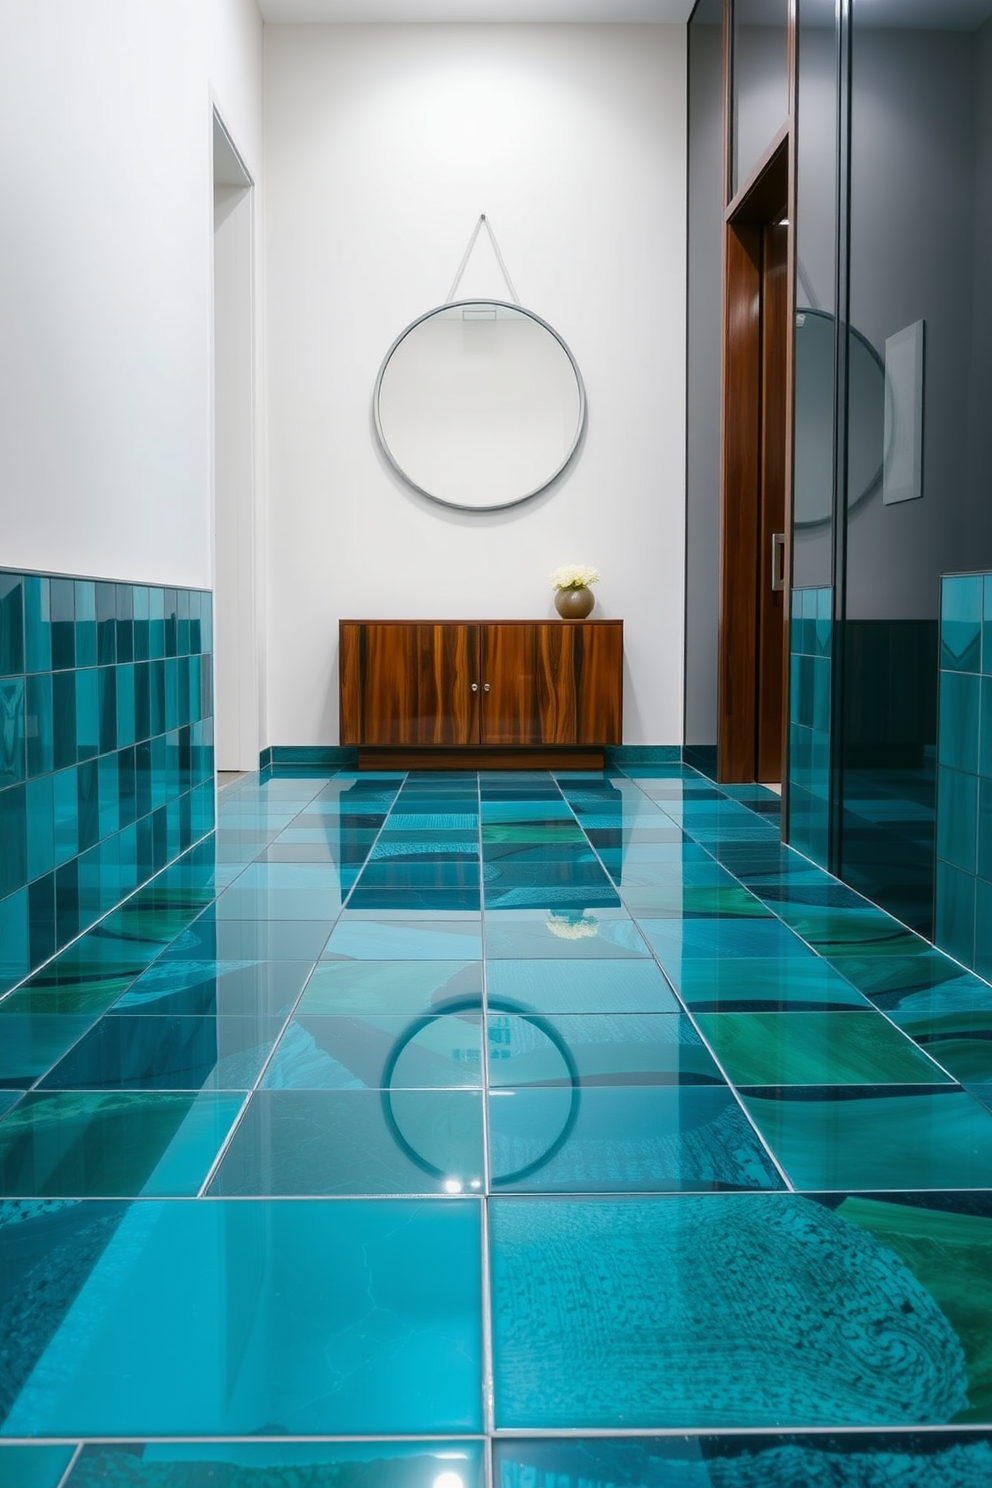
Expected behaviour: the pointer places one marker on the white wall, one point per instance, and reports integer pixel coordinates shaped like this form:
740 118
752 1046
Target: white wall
105 276
382 146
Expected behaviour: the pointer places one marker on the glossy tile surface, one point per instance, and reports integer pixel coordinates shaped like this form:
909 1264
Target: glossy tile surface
435 1108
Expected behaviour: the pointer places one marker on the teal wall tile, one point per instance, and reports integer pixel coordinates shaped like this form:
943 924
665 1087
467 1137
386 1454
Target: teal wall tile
66 807
12 757
957 819
106 748
810 707
38 724
85 623
955 912
106 624
824 621
37 623
957 736
40 806
983 928
13 939
87 713
987 624
961 623
64 718
63 612
14 837
984 864
821 694
985 728
11 624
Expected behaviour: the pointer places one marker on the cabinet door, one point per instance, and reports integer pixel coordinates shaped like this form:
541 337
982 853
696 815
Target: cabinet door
409 683
553 682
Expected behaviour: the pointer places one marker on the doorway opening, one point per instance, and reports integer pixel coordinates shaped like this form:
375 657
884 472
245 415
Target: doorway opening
756 447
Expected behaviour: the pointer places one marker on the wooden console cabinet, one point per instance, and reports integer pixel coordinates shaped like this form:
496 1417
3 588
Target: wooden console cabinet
481 694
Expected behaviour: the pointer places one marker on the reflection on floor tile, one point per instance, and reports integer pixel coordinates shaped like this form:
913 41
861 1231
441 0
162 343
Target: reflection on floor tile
399 987
706 1338
142 1052
596 1049
565 985
246 1319
289 1464
300 1142
815 1049
33 1466
356 1053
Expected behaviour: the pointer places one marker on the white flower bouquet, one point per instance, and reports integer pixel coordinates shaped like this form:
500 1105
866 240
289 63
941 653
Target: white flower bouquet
573 576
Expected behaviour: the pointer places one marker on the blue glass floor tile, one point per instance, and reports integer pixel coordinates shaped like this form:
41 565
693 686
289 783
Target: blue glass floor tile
426 939
70 1144
325 1142
565 985
756 984
216 988
596 1049
33 1466
245 940
624 1139
248 1319
375 1053
395 987
450 1463
30 1043
148 1052
560 934
706 1338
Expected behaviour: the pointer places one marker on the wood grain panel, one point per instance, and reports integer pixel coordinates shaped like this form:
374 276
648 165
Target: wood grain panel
553 682
599 683
415 683
483 757
774 444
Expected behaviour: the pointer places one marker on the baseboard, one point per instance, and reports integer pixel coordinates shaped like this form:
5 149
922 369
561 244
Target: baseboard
315 756
643 754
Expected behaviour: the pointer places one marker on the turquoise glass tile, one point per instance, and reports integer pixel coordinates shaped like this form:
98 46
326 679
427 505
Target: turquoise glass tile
63 626
215 988
120 1144
985 738
374 1052
30 1043
64 718
753 984
407 939
954 928
957 744
875 1137
40 808
403 1464
705 1338
244 940
983 927
106 624
42 922
12 724
984 861
815 1048
39 724
390 987
11 624
85 611
23 1466
249 1319
961 623
140 1052
13 835
626 1139
847 1459
596 1049
560 934
674 941
957 819
37 623
300 1142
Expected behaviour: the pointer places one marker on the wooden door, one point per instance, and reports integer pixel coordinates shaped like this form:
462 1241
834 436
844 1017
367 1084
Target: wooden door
409 682
771 539
554 682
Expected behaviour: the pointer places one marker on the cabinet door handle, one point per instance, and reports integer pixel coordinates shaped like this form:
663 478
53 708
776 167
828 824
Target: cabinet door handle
475 686
485 687
778 561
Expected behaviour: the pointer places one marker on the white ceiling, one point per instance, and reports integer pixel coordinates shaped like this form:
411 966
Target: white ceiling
283 11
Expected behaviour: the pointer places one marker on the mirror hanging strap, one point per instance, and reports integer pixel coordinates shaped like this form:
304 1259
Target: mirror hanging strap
482 222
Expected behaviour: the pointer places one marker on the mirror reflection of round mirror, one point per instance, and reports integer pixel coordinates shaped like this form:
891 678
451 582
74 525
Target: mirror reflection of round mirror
479 405
813 482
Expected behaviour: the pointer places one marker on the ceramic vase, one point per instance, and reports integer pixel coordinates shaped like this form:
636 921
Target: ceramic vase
575 603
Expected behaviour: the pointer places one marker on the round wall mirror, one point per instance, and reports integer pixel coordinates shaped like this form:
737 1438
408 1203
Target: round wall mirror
813 484
479 405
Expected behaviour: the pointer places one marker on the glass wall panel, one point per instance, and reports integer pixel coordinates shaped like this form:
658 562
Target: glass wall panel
761 80
920 325
705 265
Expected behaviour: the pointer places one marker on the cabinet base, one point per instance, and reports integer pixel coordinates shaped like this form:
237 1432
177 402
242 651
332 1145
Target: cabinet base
481 757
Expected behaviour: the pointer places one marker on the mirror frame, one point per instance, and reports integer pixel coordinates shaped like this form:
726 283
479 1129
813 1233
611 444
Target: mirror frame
515 500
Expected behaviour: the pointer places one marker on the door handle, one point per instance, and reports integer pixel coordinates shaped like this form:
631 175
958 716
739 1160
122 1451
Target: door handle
778 561
485 686
475 686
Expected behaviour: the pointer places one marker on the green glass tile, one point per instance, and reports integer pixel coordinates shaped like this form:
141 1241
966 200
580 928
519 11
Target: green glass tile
112 1145
652 1313
596 1049
955 912
805 1048
30 1043
875 1137
834 931
759 984
300 1142
949 1252
959 714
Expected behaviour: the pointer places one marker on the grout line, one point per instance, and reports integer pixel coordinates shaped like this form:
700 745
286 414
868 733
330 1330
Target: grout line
64 1479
